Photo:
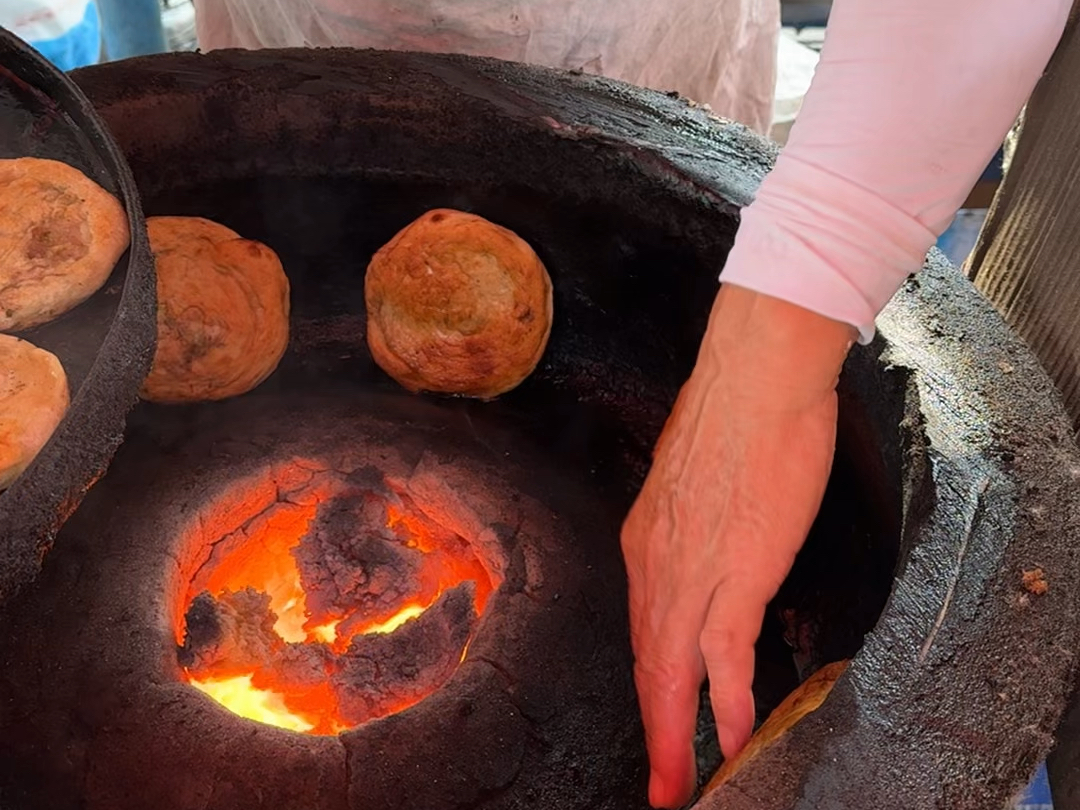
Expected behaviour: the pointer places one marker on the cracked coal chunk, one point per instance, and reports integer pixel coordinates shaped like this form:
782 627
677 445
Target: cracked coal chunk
351 562
235 629
383 673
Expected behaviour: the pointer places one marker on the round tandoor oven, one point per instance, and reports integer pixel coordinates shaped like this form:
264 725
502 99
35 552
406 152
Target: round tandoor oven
954 479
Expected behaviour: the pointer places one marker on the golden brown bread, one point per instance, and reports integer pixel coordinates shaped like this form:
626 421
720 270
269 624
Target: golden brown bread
223 311
457 305
33 400
61 234
804 700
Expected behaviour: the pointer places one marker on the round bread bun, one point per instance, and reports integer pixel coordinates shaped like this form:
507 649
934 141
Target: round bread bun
457 305
223 311
33 400
61 235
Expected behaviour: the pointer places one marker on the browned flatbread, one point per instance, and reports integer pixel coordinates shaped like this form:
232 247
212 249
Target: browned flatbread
223 311
61 234
33 400
457 305
804 700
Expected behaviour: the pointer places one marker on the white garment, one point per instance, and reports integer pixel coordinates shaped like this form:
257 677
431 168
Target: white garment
910 101
716 52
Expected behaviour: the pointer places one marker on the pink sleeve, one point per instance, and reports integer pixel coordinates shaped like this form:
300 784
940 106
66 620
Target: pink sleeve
910 102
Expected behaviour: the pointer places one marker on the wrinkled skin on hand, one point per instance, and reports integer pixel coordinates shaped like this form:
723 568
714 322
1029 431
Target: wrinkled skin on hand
737 479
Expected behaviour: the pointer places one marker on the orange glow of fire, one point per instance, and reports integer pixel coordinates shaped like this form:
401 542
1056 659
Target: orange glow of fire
326 633
242 697
394 622
263 561
448 568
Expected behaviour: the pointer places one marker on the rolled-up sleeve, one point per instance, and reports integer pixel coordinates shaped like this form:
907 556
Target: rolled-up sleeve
909 103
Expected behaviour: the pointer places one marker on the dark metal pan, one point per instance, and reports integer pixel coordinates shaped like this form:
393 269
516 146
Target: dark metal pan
105 344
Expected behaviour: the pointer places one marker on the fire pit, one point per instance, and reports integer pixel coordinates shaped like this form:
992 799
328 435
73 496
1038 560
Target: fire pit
422 599
451 617
291 617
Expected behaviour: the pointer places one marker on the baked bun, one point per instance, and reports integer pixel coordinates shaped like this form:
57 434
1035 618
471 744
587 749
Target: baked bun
33 400
61 235
223 311
457 305
804 700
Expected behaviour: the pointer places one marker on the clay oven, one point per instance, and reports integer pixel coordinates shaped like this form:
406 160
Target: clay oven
422 598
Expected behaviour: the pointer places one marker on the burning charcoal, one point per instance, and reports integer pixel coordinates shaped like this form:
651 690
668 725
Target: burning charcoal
302 663
449 504
351 563
384 673
297 671
386 596
202 628
229 633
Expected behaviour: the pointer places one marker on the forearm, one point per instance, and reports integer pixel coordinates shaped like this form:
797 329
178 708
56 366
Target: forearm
909 104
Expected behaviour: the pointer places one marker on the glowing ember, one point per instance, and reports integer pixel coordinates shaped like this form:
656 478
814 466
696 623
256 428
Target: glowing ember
241 697
326 633
282 624
395 621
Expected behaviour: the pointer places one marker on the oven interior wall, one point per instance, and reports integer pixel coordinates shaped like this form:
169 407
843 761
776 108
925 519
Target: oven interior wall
632 301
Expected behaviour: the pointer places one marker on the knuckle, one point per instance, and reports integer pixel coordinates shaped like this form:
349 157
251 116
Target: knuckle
659 669
719 640
639 522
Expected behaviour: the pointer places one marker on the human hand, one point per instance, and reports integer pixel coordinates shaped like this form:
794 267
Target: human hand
737 479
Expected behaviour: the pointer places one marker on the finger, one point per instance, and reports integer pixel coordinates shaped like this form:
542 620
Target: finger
668 672
727 647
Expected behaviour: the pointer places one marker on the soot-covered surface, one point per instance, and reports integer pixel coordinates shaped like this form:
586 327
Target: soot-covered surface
949 432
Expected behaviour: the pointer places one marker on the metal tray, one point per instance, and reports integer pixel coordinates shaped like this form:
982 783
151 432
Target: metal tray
105 344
